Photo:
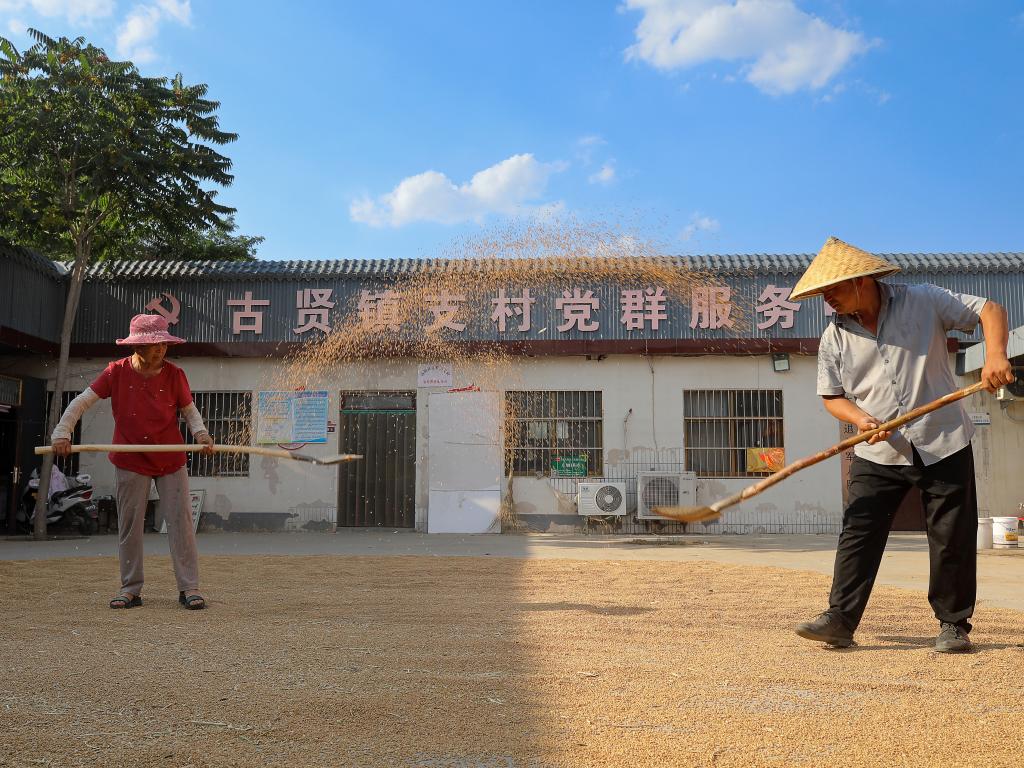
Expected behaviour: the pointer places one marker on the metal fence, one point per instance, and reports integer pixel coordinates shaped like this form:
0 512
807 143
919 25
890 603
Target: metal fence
624 467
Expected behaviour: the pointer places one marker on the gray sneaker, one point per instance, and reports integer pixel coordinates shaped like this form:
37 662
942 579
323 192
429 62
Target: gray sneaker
952 638
826 628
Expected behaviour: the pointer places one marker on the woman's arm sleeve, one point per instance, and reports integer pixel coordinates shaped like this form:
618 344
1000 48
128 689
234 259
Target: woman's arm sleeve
66 426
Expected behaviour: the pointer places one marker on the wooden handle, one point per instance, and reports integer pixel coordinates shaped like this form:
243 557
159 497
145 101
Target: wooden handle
796 466
42 450
97 448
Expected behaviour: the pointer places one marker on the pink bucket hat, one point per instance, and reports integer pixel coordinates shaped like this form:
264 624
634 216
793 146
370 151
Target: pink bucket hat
148 329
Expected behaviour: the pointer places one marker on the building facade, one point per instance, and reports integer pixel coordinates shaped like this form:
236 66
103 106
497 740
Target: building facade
540 396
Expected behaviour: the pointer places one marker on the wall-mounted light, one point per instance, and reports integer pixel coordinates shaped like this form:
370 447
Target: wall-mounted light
780 361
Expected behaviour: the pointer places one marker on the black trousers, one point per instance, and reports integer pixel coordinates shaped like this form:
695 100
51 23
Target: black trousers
951 515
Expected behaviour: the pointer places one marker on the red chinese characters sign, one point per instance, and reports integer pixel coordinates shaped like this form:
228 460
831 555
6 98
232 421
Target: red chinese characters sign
575 310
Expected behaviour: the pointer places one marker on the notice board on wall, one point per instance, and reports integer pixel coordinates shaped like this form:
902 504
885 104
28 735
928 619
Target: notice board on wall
291 417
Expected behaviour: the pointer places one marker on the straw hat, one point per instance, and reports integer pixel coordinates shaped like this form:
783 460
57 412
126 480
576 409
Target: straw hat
148 329
838 261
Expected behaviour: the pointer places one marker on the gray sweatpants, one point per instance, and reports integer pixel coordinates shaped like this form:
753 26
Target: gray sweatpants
132 496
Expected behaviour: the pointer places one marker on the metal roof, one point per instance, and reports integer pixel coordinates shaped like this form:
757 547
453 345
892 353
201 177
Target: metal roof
32 259
730 264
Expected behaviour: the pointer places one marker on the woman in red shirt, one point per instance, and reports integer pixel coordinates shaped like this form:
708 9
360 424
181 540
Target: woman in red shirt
146 393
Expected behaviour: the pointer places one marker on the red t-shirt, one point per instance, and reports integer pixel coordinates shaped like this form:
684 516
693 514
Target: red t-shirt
145 411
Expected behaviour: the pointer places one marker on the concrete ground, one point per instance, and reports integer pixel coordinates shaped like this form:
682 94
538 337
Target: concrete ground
905 564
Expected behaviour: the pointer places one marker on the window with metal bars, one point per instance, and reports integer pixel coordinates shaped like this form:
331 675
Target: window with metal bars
228 417
554 433
733 432
66 464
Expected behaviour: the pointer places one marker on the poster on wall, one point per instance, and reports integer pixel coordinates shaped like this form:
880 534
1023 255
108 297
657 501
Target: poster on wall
765 459
195 500
434 375
291 417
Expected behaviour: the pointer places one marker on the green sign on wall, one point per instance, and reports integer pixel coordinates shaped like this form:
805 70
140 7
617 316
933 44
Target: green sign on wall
569 466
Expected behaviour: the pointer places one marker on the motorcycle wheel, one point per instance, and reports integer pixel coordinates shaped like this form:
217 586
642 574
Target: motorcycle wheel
90 526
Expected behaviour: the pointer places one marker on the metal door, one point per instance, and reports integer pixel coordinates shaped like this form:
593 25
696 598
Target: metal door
379 490
22 431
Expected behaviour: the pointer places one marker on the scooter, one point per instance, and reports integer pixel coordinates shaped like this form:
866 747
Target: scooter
72 507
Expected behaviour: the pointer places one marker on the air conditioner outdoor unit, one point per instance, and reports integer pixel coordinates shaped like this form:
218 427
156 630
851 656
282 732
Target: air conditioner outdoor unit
664 489
601 498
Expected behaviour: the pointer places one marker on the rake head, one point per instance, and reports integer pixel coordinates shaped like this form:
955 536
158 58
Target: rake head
338 458
688 514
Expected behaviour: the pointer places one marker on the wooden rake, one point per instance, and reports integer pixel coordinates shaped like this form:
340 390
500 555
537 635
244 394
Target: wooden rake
260 450
701 514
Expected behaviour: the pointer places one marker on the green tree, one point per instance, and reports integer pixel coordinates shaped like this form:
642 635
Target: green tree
150 243
87 143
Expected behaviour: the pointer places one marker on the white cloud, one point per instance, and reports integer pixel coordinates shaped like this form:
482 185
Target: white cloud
783 49
137 32
699 224
586 146
179 10
604 176
75 11
504 188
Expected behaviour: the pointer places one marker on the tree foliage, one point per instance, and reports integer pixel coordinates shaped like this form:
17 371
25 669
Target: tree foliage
96 157
216 243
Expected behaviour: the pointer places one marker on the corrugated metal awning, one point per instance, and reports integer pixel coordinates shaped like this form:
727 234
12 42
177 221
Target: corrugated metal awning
737 264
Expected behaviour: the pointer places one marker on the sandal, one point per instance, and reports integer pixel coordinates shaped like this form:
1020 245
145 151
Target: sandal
192 602
124 600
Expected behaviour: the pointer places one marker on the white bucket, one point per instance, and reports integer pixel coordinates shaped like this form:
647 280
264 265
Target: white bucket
1004 531
984 533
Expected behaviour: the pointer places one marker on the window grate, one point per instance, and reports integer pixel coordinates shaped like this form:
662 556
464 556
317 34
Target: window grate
228 417
733 432
554 433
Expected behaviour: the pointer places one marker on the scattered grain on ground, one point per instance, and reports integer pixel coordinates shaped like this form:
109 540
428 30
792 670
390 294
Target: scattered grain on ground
470 662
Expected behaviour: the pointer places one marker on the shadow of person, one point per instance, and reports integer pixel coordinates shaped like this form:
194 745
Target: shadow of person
908 643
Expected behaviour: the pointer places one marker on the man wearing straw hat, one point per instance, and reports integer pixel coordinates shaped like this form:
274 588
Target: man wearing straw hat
146 394
884 355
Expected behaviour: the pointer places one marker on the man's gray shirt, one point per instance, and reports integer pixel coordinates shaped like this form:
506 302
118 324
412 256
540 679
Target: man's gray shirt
902 368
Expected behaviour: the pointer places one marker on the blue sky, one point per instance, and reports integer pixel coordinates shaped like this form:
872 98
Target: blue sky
395 129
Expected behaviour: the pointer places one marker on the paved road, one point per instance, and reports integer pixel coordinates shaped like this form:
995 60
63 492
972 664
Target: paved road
1000 572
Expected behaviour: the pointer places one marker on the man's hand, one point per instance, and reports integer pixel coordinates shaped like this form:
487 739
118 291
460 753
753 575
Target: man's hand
997 372
61 447
994 325
847 412
207 441
868 423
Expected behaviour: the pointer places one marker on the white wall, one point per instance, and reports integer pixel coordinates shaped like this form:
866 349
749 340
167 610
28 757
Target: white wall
998 454
808 501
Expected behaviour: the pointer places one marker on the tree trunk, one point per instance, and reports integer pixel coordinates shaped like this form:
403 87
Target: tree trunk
53 415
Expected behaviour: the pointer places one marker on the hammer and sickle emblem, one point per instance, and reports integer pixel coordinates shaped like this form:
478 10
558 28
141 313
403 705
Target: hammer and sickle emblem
157 305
